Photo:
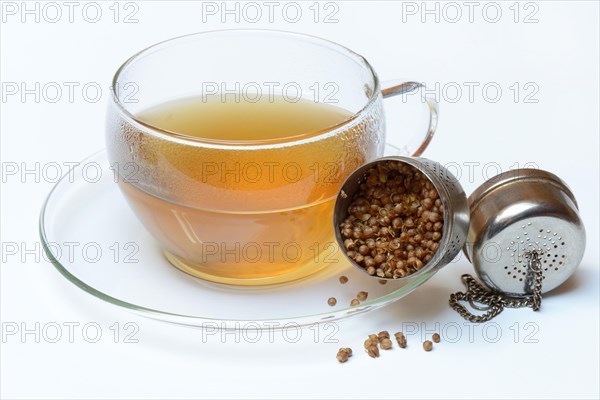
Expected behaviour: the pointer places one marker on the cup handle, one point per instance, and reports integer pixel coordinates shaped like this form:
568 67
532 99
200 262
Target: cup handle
416 145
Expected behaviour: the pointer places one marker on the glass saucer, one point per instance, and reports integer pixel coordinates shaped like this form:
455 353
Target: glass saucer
95 241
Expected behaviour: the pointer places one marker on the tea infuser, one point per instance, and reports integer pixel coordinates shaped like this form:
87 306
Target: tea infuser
525 235
525 238
451 194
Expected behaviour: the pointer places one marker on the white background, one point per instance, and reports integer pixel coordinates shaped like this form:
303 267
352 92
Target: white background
558 54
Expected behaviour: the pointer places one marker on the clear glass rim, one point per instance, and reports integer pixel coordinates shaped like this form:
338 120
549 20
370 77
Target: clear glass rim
194 140
193 320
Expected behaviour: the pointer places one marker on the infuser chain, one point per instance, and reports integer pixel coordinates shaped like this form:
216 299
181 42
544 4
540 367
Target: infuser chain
535 265
476 293
495 301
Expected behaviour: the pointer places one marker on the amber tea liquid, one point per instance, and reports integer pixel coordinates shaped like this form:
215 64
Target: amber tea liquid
246 208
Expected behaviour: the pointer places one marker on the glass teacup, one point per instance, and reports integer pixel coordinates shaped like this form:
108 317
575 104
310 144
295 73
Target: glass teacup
257 209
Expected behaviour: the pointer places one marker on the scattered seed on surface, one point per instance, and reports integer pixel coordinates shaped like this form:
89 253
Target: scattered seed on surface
373 351
401 339
385 344
382 281
362 296
368 343
343 279
427 345
343 354
343 194
374 338
383 335
354 302
436 337
332 301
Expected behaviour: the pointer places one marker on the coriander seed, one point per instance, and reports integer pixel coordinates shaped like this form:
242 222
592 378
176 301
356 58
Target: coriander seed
427 345
436 337
383 335
343 354
362 296
385 344
332 301
354 302
401 339
343 279
373 351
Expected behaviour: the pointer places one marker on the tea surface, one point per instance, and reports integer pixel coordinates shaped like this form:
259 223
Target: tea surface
275 118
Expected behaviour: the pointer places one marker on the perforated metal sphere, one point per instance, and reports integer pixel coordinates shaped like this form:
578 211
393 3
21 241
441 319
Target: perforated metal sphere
516 214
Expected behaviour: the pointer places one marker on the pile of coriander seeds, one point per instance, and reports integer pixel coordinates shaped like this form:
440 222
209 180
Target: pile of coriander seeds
382 341
395 221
